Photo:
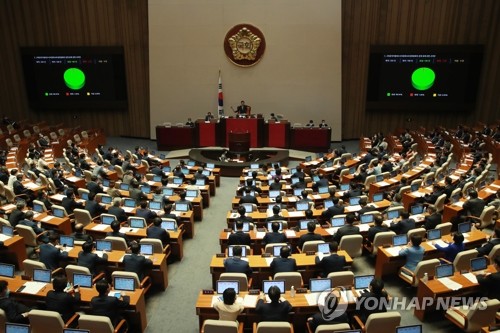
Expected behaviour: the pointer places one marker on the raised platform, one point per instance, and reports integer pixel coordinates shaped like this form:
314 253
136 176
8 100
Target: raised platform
237 162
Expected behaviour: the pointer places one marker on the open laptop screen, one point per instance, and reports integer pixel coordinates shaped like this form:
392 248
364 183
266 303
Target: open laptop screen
103 245
274 193
433 234
107 219
191 193
478 264
106 199
266 284
136 222
302 205
277 250
155 205
443 271
344 187
82 280
181 207
337 221
57 212
363 281
129 203
124 283
41 275
124 187
324 248
323 190
320 285
230 250
464 227
37 207
409 329
297 191
248 207
417 209
367 218
393 214
377 197
399 240
224 284
246 226
168 225
147 249
17 328
7 270
167 191
354 201
7 230
66 241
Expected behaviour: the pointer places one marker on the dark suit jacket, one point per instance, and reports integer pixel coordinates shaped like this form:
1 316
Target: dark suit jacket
108 306
91 260
431 221
249 199
14 310
273 311
274 237
279 265
19 188
32 225
344 231
15 216
63 303
474 207
51 256
334 210
486 248
375 230
308 237
118 212
239 238
490 284
403 226
158 233
331 263
94 187
137 195
146 213
236 265
366 310
137 264
94 208
70 204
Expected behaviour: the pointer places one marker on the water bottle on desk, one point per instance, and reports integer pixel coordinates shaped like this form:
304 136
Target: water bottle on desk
292 292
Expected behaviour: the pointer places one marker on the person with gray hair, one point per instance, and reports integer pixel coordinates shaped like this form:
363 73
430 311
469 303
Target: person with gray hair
117 210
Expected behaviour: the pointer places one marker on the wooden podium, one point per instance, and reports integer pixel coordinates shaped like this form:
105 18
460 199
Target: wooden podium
239 142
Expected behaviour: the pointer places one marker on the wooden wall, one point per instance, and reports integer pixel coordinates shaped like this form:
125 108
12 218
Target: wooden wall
389 22
77 23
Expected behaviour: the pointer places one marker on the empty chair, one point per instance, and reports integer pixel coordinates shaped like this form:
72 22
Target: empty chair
380 322
472 318
370 180
352 244
243 280
82 216
157 245
272 327
465 189
30 265
404 189
269 247
30 238
329 328
65 213
291 279
417 232
311 246
42 321
445 228
144 284
346 156
100 324
495 251
221 326
425 266
117 243
486 217
75 269
462 260
381 239
342 279
440 203
27 134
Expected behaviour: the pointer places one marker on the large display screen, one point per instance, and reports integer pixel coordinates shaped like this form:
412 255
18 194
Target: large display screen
424 77
75 77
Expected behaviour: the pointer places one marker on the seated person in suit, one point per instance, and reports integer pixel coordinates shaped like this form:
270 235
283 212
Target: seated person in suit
248 197
209 116
117 211
374 295
275 184
90 260
275 236
242 109
28 222
331 263
17 214
451 251
167 210
182 199
365 207
243 217
227 308
377 227
486 248
239 237
108 306
336 209
199 175
274 311
19 189
322 182
276 214
310 235
413 252
69 203
66 303
135 192
404 225
347 229
15 312
322 319
80 235
94 186
300 184
234 264
433 219
157 232
135 262
50 252
93 207
489 282
115 226
145 212
42 196
283 263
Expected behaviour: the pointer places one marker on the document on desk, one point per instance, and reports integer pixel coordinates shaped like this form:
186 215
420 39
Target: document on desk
449 283
124 230
269 261
316 196
3 237
441 243
260 234
458 203
292 199
364 227
418 194
383 183
393 251
312 298
331 231
8 207
289 233
353 208
47 218
100 227
73 179
33 287
296 214
249 301
471 277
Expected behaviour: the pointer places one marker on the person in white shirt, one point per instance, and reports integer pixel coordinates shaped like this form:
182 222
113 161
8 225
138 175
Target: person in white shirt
227 308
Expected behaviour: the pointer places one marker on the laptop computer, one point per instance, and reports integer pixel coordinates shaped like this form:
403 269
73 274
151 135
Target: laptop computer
246 226
277 250
103 245
444 270
106 199
147 249
377 197
7 230
7 270
274 193
154 205
169 225
78 173
329 163
129 203
328 203
191 163
156 178
294 180
354 201
393 214
464 227
231 247
248 207
210 165
124 187
269 225
379 178
478 264
308 158
57 212
107 219
181 207
323 190
42 275
17 328
414 187
266 284
352 170
67 241
319 285
177 180
137 222
124 283
345 187
200 182
206 173
145 189
399 240
191 193
84 196
362 282
417 209
82 280
105 182
302 206
167 191
166 169
75 330
409 329
303 224
37 207
337 221
367 218
297 192
433 234
324 248
222 285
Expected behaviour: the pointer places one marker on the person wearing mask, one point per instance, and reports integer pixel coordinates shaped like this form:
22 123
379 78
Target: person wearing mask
15 312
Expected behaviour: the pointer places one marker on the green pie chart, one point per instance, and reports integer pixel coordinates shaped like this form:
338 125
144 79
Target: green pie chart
74 78
423 78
